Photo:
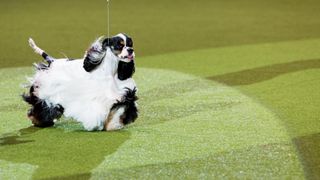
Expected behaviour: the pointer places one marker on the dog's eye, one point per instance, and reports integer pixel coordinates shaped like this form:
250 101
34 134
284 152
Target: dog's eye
129 42
118 47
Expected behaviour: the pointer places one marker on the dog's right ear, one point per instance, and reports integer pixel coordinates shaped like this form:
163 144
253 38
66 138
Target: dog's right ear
108 42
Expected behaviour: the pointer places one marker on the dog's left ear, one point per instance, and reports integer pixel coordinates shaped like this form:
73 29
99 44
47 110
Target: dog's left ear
107 43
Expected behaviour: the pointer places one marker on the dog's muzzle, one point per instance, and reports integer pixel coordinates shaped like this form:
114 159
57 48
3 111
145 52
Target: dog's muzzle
127 54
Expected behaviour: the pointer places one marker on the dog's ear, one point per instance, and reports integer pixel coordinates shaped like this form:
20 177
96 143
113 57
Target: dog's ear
93 59
125 70
107 43
90 63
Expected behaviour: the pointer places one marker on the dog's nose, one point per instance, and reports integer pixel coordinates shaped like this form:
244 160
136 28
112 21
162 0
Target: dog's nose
130 51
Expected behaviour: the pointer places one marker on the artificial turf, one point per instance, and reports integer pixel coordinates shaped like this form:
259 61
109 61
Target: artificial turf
228 89
205 125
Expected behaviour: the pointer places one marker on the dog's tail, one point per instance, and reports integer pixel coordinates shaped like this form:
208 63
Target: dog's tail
41 52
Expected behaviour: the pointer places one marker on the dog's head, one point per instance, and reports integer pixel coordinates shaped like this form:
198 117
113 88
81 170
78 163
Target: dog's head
121 46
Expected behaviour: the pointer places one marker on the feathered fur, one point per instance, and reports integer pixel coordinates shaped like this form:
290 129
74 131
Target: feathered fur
130 108
125 70
42 114
85 89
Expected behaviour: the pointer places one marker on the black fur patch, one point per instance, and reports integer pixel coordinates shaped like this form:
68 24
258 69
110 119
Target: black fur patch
117 43
93 58
129 42
48 58
90 64
41 113
131 112
44 55
108 42
125 70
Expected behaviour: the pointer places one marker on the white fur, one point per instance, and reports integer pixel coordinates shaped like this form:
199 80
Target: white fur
35 47
86 96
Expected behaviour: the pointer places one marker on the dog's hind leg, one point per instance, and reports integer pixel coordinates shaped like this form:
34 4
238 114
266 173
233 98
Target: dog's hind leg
42 114
41 52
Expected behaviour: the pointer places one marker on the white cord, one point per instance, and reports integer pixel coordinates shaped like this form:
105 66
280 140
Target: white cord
108 4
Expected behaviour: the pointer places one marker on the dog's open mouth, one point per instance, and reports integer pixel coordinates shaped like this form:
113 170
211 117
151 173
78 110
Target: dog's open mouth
130 57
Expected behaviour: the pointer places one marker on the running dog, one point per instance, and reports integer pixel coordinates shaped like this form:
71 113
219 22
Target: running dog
97 90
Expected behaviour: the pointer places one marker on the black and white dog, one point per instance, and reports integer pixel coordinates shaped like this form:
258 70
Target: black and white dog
97 91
